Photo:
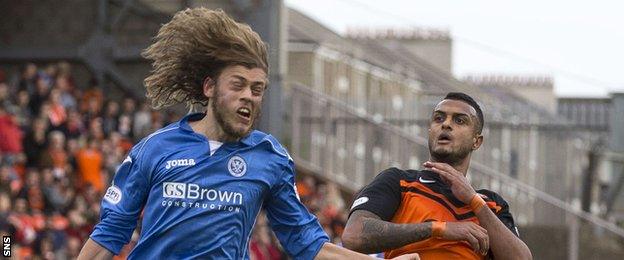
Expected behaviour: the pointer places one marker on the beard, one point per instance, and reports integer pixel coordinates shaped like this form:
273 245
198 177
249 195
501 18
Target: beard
449 156
224 119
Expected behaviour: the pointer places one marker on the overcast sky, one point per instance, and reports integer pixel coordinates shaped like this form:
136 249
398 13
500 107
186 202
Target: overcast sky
579 43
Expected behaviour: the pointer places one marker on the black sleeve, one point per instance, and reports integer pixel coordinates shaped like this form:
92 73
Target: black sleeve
382 196
500 207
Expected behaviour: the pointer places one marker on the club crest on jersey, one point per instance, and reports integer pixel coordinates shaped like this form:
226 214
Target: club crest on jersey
237 166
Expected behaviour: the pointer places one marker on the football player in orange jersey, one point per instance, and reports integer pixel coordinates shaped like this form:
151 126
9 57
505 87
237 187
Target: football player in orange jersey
435 212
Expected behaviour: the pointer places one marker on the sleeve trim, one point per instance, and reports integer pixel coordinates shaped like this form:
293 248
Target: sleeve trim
107 247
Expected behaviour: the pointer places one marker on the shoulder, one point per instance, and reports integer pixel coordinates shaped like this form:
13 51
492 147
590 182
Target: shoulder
392 172
153 141
391 175
400 174
494 201
269 144
489 195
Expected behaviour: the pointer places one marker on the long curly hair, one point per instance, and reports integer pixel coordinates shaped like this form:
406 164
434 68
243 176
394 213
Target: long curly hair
198 43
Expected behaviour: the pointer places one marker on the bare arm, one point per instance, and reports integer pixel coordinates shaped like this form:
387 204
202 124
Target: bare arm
331 251
365 232
503 243
94 251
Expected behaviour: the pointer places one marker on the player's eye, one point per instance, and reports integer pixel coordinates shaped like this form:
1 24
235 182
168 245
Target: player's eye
438 118
460 121
237 85
257 90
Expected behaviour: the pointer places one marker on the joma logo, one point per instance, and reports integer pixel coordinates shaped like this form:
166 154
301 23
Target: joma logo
179 162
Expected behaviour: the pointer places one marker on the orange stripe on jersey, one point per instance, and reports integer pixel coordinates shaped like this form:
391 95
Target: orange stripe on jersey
420 204
422 188
494 206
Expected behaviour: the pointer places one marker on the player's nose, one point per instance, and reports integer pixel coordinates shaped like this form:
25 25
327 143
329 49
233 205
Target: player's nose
446 124
246 94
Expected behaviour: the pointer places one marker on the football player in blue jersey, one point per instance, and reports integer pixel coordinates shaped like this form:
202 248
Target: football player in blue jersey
201 182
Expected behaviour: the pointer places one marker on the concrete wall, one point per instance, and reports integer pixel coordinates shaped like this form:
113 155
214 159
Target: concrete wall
438 52
538 90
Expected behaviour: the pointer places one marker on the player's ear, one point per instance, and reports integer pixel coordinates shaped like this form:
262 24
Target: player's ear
477 141
209 86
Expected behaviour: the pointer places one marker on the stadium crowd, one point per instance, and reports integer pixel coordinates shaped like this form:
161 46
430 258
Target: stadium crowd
60 145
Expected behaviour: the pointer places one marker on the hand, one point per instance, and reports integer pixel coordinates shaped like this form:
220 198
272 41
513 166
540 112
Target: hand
458 182
407 257
469 232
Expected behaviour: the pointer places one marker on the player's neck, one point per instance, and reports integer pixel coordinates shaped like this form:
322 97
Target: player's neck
461 165
209 127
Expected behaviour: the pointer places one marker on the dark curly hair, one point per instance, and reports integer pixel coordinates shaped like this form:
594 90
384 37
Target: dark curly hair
198 43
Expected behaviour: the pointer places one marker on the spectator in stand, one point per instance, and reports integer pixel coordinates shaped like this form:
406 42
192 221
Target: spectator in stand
42 91
75 125
115 147
51 70
56 113
74 244
4 96
20 218
142 120
43 247
90 161
306 187
55 156
92 100
63 84
10 181
53 193
23 113
129 106
10 135
36 141
31 191
28 78
5 210
125 126
96 130
263 245
110 121
81 219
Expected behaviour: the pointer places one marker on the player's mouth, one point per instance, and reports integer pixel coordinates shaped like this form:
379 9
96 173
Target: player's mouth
244 113
444 138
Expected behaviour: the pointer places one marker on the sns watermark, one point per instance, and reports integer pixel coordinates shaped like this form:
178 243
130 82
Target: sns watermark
6 246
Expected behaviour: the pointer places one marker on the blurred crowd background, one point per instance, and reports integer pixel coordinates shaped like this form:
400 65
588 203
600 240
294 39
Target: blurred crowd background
60 145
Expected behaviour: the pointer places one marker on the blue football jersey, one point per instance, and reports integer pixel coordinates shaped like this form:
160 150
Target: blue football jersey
197 205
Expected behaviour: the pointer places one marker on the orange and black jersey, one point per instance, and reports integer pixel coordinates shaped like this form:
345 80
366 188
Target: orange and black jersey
417 196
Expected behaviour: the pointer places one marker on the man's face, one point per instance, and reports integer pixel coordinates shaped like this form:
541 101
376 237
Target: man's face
452 131
237 99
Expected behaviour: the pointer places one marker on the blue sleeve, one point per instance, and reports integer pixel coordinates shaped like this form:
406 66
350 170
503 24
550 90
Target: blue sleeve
122 204
298 230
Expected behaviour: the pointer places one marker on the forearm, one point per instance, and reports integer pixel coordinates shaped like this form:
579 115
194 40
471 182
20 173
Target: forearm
94 251
372 235
331 251
503 243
